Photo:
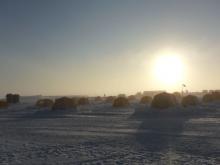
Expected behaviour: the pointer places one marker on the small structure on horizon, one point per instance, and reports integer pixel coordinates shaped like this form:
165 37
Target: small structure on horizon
12 98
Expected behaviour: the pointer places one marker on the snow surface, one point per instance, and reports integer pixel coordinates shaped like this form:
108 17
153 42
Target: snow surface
100 134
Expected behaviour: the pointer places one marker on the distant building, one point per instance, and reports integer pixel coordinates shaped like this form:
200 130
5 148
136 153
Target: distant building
12 98
121 95
205 91
210 91
30 99
152 93
138 95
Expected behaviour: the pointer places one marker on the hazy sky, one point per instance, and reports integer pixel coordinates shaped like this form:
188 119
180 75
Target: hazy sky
55 47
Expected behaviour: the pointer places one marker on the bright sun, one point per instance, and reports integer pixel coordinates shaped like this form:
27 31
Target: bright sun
168 69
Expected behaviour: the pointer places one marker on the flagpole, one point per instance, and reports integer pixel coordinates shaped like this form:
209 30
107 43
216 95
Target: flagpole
183 86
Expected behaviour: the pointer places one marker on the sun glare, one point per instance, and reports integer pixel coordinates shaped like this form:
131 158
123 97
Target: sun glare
168 69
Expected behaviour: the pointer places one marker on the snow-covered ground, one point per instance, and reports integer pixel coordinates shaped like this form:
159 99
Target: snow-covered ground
100 134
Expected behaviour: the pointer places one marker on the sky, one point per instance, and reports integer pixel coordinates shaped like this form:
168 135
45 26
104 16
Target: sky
97 47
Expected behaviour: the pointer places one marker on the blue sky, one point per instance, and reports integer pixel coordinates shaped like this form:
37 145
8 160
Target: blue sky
93 47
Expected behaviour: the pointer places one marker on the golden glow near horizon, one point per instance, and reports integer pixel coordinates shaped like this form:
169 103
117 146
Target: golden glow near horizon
168 69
